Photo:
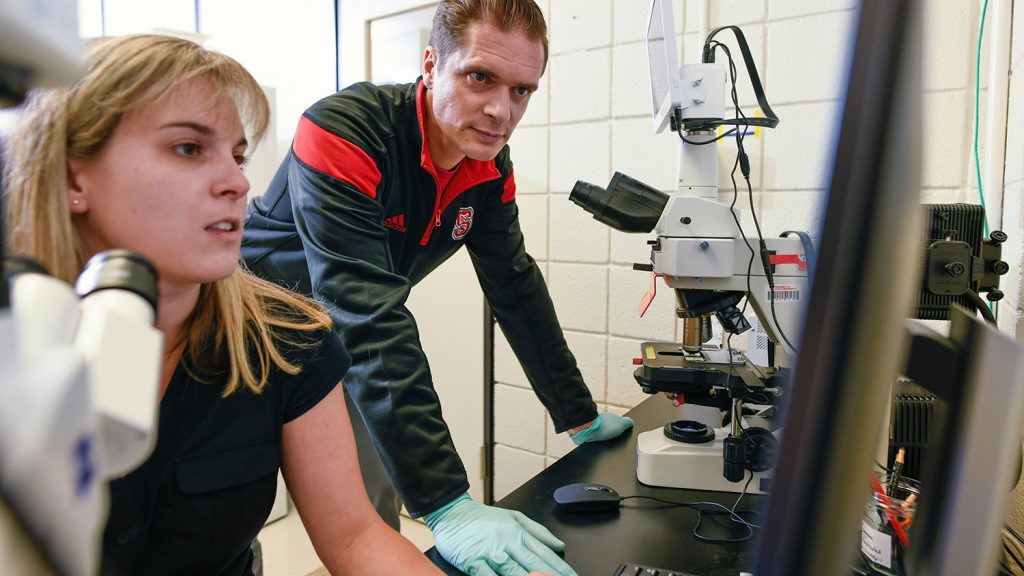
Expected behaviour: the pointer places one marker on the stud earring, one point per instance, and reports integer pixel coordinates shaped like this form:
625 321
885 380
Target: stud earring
76 202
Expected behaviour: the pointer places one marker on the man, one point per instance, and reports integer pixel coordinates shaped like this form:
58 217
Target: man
384 183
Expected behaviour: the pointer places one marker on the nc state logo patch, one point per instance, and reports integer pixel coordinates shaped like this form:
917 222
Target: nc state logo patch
463 222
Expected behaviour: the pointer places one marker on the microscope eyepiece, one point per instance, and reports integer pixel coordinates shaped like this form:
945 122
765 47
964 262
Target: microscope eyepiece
119 270
15 265
627 205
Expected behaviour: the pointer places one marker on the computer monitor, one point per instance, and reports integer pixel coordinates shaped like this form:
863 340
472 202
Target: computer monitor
853 339
663 63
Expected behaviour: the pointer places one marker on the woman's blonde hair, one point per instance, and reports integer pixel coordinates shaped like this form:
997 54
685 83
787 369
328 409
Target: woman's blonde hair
233 332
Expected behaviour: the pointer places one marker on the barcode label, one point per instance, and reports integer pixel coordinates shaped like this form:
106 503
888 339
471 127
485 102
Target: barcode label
782 294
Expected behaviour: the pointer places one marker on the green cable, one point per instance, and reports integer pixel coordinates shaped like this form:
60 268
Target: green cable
977 107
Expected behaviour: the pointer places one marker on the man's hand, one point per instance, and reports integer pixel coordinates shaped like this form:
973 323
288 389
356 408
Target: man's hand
605 427
487 541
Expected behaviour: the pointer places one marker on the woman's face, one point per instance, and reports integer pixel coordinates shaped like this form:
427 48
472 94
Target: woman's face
168 184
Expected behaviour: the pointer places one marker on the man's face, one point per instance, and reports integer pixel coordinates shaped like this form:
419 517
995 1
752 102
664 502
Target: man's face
479 92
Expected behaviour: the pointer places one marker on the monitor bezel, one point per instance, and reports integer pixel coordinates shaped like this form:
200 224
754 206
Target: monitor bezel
673 98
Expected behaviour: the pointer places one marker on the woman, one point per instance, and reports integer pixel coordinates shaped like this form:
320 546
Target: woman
145 153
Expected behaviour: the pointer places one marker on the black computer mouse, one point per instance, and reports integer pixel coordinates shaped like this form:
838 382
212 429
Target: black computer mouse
587 497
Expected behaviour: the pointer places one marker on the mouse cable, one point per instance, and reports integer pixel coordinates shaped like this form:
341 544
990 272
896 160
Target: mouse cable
713 508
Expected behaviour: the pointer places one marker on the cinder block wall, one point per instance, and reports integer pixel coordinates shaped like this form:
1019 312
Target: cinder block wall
591 117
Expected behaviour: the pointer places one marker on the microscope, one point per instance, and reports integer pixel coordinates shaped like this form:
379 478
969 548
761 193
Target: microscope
702 253
79 366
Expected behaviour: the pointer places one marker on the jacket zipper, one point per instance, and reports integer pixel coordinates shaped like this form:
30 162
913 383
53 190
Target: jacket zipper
437 210
437 222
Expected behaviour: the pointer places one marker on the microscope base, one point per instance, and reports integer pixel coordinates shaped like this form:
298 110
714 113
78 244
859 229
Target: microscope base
671 464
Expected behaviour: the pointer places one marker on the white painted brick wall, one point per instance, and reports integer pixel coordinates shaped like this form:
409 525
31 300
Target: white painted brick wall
513 467
1017 48
580 25
805 57
537 110
631 88
581 85
529 146
579 152
798 152
622 387
520 422
507 369
580 294
558 444
533 219
629 21
625 289
946 195
1014 169
781 211
575 235
638 152
948 49
947 144
1010 284
630 248
736 12
689 13
971 172
779 9
591 351
692 48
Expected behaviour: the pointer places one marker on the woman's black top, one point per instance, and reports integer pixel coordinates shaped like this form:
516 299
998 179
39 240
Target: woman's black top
197 503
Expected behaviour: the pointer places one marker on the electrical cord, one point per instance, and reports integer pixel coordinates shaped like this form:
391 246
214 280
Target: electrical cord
732 176
770 120
712 508
977 107
695 143
978 303
808 246
977 159
744 163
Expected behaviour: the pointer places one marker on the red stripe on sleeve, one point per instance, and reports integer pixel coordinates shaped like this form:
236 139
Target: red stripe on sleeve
509 193
336 157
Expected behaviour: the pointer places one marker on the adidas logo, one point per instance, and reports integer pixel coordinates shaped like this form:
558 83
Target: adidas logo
396 223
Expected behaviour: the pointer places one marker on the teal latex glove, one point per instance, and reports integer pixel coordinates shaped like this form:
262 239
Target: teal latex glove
487 541
605 427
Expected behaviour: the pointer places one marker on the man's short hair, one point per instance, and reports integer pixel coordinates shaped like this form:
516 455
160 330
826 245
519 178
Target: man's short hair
453 18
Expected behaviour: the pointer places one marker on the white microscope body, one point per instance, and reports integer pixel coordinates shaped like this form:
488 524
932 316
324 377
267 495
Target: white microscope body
79 379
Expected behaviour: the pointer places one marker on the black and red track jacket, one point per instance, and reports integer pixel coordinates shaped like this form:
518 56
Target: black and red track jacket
354 217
